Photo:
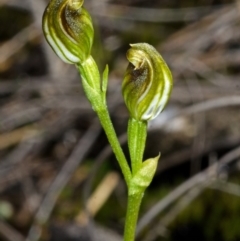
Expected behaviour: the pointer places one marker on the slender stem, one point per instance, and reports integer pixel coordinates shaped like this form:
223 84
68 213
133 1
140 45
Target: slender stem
137 133
92 87
113 140
134 202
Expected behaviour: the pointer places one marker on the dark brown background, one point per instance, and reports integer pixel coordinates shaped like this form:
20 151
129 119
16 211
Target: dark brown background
53 153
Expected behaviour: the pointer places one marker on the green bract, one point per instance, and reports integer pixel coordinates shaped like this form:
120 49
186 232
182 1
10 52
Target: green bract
147 83
68 29
142 179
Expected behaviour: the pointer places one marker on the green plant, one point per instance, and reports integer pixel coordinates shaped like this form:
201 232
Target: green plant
146 89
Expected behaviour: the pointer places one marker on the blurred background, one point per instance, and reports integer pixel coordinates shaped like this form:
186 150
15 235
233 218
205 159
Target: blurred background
58 178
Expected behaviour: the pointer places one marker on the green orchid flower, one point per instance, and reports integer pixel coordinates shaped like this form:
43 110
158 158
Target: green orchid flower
147 83
68 29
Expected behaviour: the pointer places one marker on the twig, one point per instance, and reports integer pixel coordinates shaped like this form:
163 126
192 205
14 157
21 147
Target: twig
17 155
99 197
180 93
200 178
200 123
186 200
16 175
15 44
9 233
204 106
16 136
151 14
21 118
15 3
55 66
61 180
213 104
160 228
196 36
103 155
179 157
227 187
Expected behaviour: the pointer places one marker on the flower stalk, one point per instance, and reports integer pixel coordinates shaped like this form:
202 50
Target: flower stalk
96 94
137 134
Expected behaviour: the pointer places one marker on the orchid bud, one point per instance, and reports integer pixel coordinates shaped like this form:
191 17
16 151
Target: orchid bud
68 29
147 82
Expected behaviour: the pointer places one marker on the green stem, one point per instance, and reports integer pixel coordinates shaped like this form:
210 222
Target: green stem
97 97
137 133
113 140
134 202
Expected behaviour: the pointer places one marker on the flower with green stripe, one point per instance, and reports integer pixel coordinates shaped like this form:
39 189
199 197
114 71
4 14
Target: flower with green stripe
68 29
147 83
